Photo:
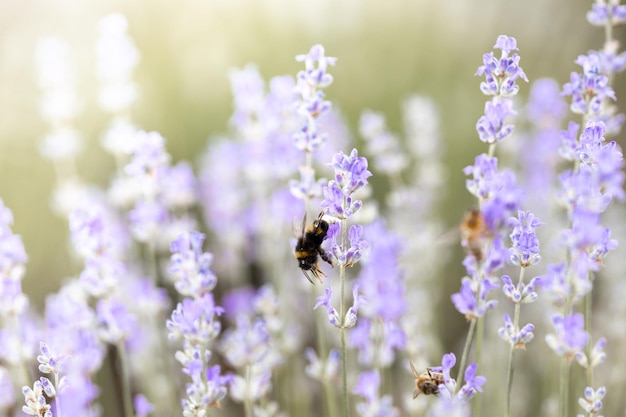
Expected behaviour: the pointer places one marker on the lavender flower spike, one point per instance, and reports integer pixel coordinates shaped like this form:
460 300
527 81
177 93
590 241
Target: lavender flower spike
351 174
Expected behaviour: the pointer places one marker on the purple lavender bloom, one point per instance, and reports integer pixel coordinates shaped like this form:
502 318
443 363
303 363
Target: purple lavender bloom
147 219
49 363
350 175
570 336
357 245
501 74
592 403
316 64
491 126
195 320
190 266
7 392
606 12
389 336
466 301
497 191
202 395
322 370
239 302
247 344
35 401
588 89
117 323
610 61
525 245
143 407
367 386
519 338
524 294
352 313
179 189
545 106
149 155
324 300
596 356
473 383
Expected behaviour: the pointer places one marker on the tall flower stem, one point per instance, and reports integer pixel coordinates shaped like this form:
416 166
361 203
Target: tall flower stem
511 367
322 351
342 309
125 379
247 404
466 349
587 315
57 400
564 387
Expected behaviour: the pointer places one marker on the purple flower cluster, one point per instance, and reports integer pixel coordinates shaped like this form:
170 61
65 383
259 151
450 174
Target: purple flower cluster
333 316
588 89
525 245
351 174
367 387
605 12
311 81
195 322
501 75
378 334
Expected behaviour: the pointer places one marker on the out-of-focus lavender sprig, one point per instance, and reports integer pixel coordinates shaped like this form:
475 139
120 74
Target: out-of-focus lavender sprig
377 335
59 106
311 81
350 175
248 348
195 322
367 387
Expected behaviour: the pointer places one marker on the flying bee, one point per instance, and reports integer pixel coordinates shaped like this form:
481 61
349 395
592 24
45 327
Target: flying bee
309 247
426 383
473 232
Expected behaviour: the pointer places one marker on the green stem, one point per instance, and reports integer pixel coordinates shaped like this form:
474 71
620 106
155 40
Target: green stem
564 387
125 380
247 405
466 349
480 334
587 315
342 279
57 400
510 370
322 352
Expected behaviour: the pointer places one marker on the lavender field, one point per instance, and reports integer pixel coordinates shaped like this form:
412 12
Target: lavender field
321 242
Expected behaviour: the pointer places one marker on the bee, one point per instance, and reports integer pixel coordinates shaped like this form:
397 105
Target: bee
309 247
473 233
426 383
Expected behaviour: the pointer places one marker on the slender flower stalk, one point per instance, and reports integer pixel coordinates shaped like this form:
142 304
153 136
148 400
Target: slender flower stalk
350 175
496 191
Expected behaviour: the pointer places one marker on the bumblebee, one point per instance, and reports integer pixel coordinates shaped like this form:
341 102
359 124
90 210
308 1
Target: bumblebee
309 247
473 232
426 383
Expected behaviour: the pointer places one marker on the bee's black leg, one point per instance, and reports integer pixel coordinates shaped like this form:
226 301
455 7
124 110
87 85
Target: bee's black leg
325 256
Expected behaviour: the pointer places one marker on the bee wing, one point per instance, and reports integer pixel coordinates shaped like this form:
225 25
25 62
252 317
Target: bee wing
298 229
413 370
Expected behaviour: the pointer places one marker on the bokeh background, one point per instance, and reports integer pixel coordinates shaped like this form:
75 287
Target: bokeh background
386 51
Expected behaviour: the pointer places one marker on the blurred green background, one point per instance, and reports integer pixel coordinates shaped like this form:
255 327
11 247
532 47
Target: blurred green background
386 50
